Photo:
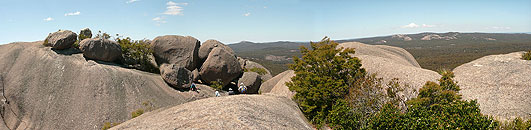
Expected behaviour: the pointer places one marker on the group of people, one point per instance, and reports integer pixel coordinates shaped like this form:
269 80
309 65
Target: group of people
242 89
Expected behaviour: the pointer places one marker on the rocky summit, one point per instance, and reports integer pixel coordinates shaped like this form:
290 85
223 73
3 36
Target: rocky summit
500 83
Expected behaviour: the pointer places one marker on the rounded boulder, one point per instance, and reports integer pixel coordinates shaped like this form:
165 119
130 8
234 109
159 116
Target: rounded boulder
252 81
174 49
222 65
177 76
101 49
60 40
207 47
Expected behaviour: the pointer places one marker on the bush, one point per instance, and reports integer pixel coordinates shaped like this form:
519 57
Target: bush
137 113
260 71
527 56
217 85
108 125
516 124
137 54
438 106
323 76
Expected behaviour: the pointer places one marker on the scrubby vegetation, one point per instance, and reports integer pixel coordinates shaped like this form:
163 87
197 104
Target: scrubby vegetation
516 124
136 53
137 113
527 55
260 71
108 125
438 106
332 89
217 85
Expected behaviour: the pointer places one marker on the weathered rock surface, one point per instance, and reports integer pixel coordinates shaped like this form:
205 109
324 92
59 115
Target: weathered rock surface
500 83
281 89
207 47
177 76
60 40
195 75
392 62
173 49
252 81
86 33
101 49
51 91
228 112
220 64
249 65
268 85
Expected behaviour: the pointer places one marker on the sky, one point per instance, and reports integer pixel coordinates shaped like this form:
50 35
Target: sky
231 21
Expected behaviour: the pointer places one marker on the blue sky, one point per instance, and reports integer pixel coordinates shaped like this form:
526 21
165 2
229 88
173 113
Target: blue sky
232 21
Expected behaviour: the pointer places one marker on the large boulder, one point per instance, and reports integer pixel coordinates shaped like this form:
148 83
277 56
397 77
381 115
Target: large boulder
281 89
501 84
252 81
176 75
195 75
85 33
173 49
222 65
208 45
60 40
101 49
225 113
50 91
392 62
268 85
248 65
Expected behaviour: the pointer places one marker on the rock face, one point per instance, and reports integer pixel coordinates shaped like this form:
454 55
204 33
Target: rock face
268 85
101 49
51 91
61 39
392 62
173 49
500 83
177 76
86 33
281 89
220 64
228 112
250 65
195 75
252 81
207 47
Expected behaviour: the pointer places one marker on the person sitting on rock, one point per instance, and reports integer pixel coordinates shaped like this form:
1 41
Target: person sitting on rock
192 87
242 88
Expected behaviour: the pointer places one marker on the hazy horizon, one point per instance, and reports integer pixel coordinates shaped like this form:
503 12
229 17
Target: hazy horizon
260 20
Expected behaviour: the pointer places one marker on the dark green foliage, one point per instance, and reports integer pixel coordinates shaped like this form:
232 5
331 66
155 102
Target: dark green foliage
527 55
260 71
137 53
516 124
103 35
438 106
342 116
323 75
108 125
217 85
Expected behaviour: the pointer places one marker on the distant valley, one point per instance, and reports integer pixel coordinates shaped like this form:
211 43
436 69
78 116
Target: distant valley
433 51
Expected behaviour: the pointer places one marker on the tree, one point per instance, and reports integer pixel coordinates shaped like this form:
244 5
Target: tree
324 75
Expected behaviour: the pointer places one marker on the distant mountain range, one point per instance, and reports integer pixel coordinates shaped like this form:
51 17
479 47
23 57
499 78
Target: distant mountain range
432 50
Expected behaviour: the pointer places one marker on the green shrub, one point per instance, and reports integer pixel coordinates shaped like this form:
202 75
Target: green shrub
103 35
516 124
137 113
260 71
438 106
323 76
527 56
217 85
137 54
108 125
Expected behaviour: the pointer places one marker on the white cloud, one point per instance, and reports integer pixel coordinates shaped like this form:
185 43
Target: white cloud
48 19
427 26
131 1
73 13
411 25
159 20
247 14
174 8
499 28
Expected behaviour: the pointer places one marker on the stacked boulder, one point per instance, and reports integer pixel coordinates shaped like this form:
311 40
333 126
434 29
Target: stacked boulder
182 61
60 40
